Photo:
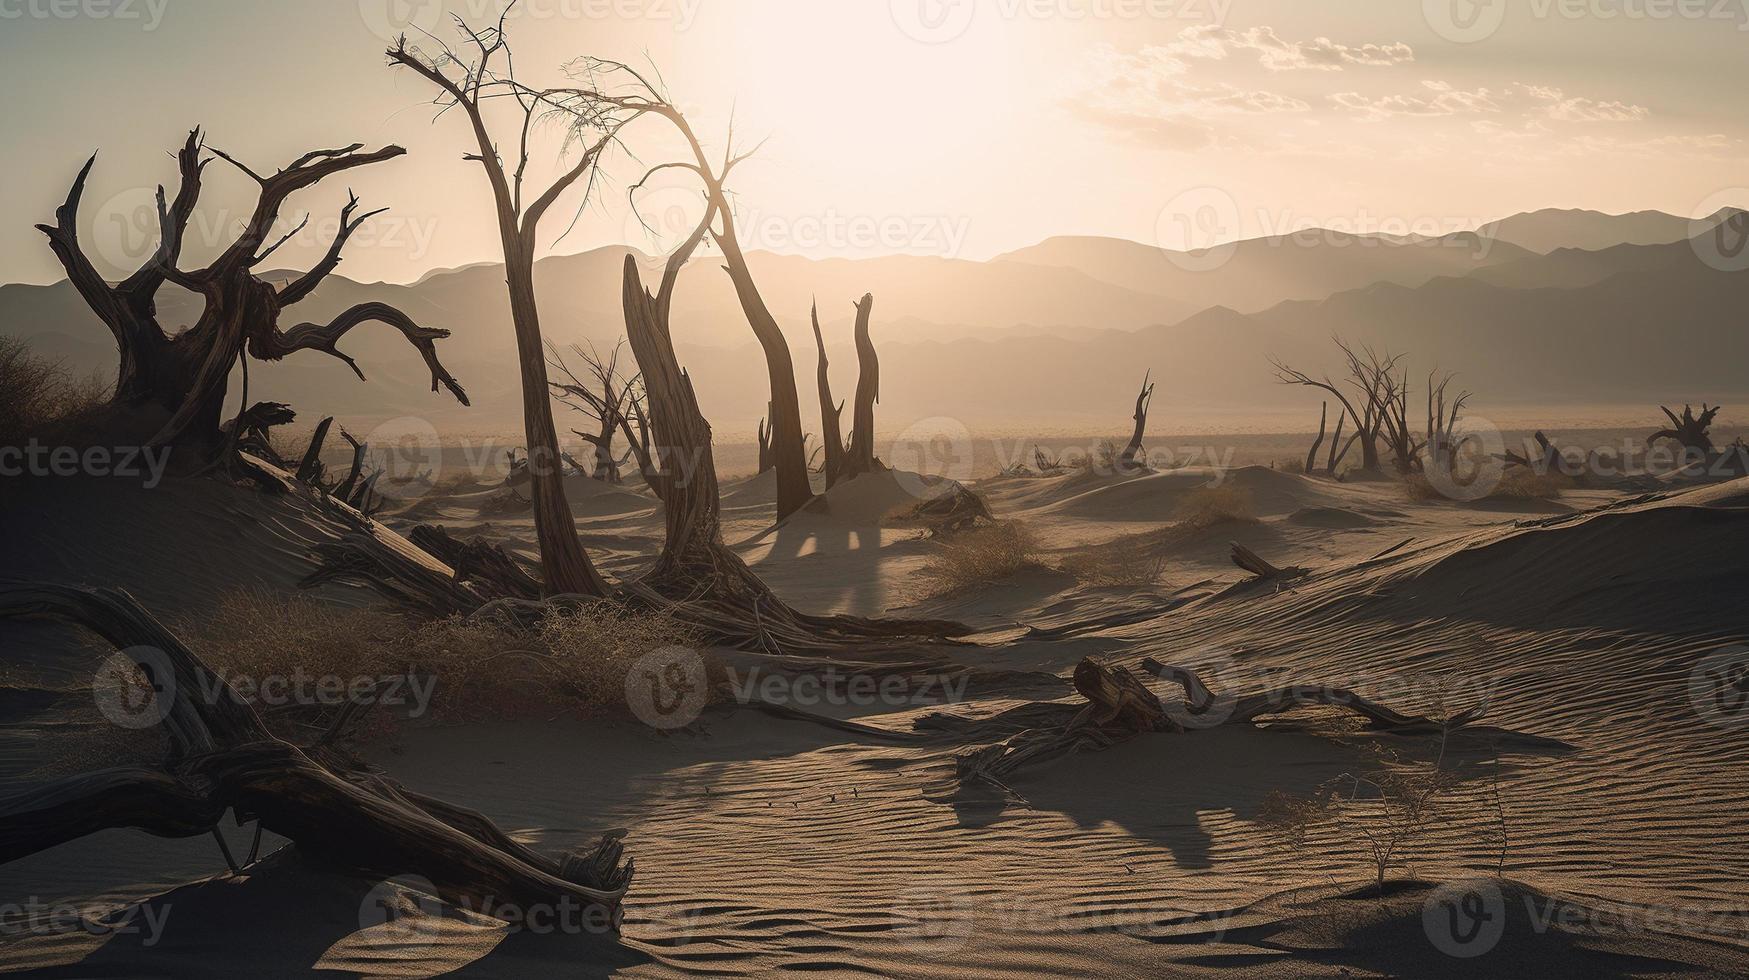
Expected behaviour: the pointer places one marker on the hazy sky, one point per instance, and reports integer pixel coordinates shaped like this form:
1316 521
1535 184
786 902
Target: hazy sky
949 127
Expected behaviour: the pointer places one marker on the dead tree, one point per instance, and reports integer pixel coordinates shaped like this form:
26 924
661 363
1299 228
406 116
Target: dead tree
176 385
1127 459
1442 440
468 83
592 100
605 397
1371 376
860 458
831 413
1689 430
697 578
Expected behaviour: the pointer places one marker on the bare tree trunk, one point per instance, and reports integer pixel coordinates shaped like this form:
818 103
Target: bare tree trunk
861 455
1143 400
1312 454
789 455
831 413
564 565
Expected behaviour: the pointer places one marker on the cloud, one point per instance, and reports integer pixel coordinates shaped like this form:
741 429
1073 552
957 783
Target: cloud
1321 54
1148 94
1528 103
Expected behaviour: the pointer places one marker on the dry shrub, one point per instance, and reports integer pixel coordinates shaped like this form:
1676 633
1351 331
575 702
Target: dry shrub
1517 483
1524 483
1296 466
983 555
1127 568
1219 503
574 662
42 400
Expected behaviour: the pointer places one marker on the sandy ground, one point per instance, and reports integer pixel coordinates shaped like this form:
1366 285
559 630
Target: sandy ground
1600 812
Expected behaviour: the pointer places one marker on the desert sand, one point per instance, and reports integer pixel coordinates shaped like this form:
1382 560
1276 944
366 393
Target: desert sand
1597 801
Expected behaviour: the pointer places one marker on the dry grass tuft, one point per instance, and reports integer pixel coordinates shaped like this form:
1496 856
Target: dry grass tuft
42 400
575 661
1122 567
1517 483
1220 503
983 555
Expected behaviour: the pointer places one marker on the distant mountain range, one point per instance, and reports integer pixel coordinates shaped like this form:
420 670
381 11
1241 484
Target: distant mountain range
1553 229
1059 334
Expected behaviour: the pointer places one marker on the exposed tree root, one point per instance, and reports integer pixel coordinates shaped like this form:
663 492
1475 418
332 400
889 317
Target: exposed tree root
334 808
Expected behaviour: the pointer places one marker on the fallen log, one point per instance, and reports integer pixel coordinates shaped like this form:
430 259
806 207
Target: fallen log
333 808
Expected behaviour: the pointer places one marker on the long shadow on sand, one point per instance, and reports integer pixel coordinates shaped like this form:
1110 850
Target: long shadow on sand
1160 787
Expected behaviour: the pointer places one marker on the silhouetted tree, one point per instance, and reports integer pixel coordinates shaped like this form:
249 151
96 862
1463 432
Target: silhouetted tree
174 385
468 83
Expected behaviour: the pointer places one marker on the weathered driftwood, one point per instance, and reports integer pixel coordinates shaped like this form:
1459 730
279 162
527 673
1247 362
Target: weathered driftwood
310 468
1548 458
333 808
1120 707
1254 563
1689 430
493 572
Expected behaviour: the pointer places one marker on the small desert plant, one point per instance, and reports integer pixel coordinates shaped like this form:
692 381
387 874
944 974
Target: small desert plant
42 400
1218 503
1295 466
980 556
1516 483
575 660
1121 567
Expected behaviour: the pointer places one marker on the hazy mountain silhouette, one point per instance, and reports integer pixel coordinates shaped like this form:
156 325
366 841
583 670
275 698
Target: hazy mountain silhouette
1256 274
1006 343
1554 228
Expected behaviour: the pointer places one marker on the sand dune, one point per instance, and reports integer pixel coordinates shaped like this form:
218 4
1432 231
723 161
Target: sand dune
767 845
